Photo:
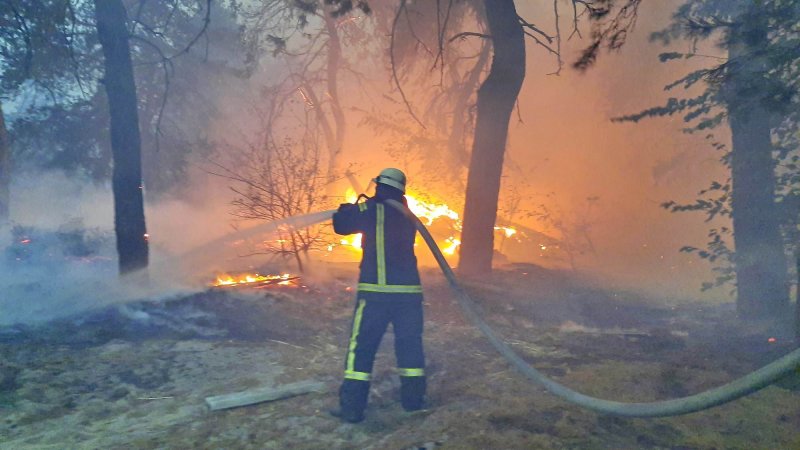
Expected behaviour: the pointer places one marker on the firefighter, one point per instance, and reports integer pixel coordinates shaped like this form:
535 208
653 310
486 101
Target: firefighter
389 291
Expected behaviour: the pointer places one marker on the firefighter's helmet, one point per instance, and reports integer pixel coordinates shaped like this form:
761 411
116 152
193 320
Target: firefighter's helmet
392 177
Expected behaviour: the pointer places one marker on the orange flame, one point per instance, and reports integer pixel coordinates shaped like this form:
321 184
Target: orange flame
508 231
431 211
254 279
428 212
452 245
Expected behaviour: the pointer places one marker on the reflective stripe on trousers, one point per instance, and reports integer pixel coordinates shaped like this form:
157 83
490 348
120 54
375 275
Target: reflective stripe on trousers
350 372
370 321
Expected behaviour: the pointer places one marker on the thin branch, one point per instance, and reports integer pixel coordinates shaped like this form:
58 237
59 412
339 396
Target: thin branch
394 67
71 50
611 34
166 61
168 67
700 55
150 30
206 21
442 29
171 14
575 28
27 38
536 39
535 29
50 91
558 40
463 35
413 32
136 20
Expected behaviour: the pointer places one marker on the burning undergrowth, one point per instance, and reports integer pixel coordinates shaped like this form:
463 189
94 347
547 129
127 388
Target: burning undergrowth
257 281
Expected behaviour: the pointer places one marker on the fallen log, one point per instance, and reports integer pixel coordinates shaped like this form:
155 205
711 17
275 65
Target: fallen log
263 394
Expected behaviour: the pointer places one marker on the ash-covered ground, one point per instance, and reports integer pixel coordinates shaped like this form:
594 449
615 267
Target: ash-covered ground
136 375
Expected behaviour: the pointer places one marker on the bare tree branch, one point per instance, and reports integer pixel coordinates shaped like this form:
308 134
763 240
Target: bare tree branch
168 67
611 34
400 10
539 42
535 29
558 39
442 28
463 35
166 61
206 22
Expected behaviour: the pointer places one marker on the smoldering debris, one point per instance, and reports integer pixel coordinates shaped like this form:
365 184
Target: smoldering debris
244 315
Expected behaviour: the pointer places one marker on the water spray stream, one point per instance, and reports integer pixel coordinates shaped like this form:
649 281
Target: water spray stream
301 221
173 266
37 294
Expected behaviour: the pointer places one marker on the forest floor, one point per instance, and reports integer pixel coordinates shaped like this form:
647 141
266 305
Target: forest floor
136 376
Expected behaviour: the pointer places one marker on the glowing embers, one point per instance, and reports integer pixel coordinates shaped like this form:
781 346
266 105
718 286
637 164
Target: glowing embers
256 281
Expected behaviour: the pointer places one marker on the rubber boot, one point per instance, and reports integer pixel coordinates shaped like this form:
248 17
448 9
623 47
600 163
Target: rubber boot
352 400
412 393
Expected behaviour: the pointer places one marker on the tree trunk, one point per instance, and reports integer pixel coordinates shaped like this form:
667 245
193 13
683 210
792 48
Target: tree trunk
129 220
5 168
760 262
458 155
496 99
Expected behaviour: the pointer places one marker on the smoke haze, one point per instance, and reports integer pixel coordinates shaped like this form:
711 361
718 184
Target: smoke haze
567 145
563 151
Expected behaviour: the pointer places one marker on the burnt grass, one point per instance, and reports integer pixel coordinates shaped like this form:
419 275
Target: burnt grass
135 375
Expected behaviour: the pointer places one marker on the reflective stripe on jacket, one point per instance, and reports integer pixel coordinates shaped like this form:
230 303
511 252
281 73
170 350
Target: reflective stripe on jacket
388 264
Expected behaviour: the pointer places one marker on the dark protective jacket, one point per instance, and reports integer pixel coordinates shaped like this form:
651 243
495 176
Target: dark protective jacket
388 264
389 291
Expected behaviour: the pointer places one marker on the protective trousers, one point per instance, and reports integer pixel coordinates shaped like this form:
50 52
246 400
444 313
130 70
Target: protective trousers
370 321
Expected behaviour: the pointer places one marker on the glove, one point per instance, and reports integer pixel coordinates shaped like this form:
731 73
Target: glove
345 207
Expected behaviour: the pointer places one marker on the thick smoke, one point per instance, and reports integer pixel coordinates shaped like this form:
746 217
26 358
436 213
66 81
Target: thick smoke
567 150
58 255
563 151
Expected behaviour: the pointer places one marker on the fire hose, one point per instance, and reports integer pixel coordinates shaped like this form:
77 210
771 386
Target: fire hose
745 385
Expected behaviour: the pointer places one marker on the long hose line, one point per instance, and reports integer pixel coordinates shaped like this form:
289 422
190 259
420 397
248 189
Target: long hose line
745 385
